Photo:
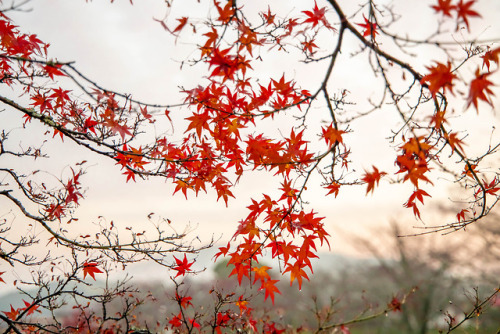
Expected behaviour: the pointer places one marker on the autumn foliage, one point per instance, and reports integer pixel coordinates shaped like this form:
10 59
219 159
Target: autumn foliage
226 122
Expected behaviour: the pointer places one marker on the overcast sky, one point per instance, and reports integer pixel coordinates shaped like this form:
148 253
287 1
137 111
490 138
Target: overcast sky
124 49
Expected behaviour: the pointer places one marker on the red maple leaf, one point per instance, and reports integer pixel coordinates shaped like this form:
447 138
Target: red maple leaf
222 251
30 307
183 266
225 65
146 115
184 302
444 7
90 125
176 321
283 87
344 329
42 101
90 268
222 320
268 17
117 128
240 268
370 28
55 210
53 69
270 327
182 23
461 215
464 11
316 16
194 324
309 45
480 89
491 55
491 188
1 279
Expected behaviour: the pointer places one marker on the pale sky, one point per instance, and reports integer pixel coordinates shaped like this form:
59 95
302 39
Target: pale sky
124 49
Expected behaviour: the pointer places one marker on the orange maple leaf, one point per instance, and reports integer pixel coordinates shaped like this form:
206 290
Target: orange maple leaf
454 142
270 289
372 179
90 268
411 203
247 226
440 77
227 13
296 272
261 273
268 17
182 185
198 122
438 119
332 135
416 173
334 188
470 171
212 36
242 304
12 314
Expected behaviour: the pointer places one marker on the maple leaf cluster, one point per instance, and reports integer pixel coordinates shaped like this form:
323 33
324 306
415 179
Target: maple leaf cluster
28 309
226 118
462 9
